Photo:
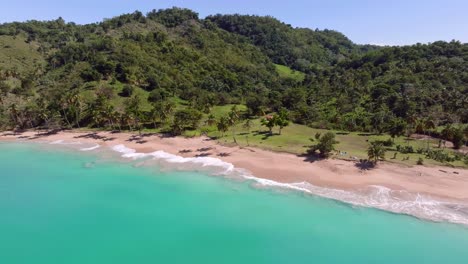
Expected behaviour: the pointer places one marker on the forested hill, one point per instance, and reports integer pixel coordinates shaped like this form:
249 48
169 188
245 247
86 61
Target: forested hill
413 82
100 74
170 49
298 48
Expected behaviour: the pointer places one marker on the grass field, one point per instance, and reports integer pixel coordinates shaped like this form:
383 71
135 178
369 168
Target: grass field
295 139
286 72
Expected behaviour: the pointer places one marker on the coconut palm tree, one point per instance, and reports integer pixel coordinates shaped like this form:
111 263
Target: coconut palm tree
376 152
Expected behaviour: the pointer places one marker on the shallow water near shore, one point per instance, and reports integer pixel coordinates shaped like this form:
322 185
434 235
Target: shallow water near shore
60 206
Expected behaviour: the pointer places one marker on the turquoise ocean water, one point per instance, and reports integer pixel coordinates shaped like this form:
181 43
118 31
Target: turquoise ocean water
62 206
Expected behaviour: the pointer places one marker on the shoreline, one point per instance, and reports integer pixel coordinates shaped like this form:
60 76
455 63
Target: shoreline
387 183
444 182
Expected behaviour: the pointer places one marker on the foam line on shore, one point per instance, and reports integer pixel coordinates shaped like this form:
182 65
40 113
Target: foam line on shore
63 142
396 201
91 148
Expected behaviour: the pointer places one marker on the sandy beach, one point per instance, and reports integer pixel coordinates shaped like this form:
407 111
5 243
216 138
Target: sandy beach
442 182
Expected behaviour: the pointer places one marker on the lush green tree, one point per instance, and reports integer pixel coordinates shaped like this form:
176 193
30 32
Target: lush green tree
186 119
269 122
282 119
134 112
397 128
325 145
457 137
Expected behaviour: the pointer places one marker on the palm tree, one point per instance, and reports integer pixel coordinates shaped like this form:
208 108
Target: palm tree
429 125
248 125
223 125
14 114
376 152
211 120
134 111
76 104
233 117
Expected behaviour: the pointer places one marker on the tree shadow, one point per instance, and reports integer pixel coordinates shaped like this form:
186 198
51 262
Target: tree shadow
14 133
163 135
95 136
224 154
204 149
342 133
368 134
46 133
266 134
184 151
201 155
365 165
311 157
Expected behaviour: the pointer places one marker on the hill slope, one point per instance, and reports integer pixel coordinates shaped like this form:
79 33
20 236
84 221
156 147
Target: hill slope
198 63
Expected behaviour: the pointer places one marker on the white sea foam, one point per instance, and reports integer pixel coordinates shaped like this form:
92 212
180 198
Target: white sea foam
91 148
396 201
63 142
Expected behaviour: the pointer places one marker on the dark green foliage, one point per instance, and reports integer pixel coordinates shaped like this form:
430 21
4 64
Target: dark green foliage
405 149
186 119
408 83
457 138
301 48
127 91
440 155
158 95
387 143
172 17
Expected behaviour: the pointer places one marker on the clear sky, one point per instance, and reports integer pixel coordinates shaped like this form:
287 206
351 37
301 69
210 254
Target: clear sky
393 22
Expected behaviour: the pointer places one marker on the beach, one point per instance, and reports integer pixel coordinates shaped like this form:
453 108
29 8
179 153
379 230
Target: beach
442 182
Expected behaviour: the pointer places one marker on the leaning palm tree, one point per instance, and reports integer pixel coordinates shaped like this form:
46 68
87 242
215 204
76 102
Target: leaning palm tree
376 152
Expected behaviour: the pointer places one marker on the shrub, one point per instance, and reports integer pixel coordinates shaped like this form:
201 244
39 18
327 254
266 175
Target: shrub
405 149
420 161
127 91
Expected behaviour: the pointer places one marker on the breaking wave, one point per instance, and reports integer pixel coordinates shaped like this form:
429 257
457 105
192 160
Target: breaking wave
91 148
396 201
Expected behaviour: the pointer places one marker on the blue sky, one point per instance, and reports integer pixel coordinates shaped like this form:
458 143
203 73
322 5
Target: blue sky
393 22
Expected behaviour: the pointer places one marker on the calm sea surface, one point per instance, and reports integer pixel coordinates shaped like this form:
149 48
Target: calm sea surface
60 206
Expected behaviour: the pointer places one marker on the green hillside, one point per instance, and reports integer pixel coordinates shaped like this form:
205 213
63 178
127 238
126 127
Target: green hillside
171 71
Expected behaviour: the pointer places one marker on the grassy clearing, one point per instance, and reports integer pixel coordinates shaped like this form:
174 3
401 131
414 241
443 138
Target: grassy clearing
288 73
17 55
295 139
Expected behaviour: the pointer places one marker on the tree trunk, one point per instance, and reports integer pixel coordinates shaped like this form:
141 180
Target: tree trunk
66 119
